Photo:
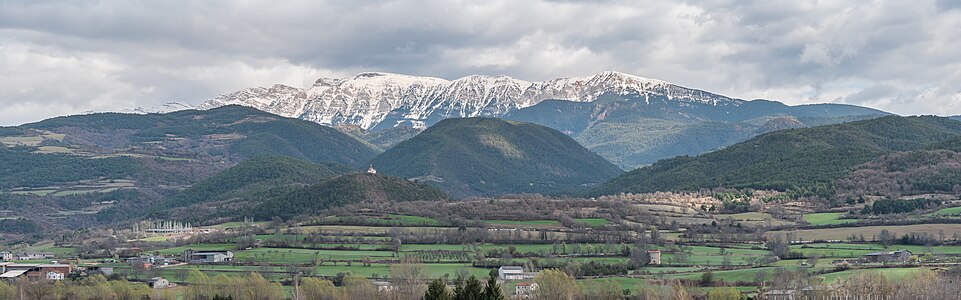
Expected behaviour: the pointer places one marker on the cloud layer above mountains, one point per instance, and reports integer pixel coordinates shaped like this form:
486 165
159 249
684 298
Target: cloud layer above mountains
67 57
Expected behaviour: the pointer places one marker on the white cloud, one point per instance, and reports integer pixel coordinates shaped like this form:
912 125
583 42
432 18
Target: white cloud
68 57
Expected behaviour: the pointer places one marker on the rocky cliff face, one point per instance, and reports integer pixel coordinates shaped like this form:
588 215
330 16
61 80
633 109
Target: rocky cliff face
382 100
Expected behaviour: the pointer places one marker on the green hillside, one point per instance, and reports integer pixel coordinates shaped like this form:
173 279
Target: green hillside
633 131
808 160
23 168
485 157
256 176
384 138
59 172
342 190
235 133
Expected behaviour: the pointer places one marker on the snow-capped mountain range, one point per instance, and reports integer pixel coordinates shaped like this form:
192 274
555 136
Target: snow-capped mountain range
382 100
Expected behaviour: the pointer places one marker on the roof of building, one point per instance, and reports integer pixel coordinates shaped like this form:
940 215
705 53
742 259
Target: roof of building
512 268
13 273
211 252
526 283
780 292
887 253
23 265
653 251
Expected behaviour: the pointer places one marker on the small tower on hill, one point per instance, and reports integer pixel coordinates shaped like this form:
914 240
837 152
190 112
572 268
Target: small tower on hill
371 170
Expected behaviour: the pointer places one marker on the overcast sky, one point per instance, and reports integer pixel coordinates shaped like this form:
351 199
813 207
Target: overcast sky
64 57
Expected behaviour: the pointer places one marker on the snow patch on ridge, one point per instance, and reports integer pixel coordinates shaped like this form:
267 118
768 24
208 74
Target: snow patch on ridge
369 98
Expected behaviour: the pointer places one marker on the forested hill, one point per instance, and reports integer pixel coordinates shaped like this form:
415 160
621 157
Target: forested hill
231 132
256 178
634 130
343 190
805 160
486 157
52 168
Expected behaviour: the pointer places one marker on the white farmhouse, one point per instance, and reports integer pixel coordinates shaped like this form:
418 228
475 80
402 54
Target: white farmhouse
525 290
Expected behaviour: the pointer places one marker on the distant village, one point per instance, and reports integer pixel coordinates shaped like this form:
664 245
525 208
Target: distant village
11 268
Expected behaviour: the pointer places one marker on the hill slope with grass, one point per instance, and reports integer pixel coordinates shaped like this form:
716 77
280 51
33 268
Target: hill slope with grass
635 130
257 177
486 157
805 160
53 169
344 190
231 132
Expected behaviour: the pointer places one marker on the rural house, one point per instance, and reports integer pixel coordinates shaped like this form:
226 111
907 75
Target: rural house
383 286
654 257
899 256
158 283
56 276
12 271
525 290
514 273
33 255
207 257
146 262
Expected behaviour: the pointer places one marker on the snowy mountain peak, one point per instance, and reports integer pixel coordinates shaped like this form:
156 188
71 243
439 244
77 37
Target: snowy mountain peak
323 81
378 99
628 78
160 109
380 78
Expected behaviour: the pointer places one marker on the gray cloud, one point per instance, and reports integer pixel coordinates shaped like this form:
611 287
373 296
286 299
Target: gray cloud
67 57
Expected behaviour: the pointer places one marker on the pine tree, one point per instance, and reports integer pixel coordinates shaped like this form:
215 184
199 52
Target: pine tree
437 290
472 290
458 286
493 290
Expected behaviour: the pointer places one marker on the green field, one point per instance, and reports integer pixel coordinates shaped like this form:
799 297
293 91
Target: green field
741 275
950 211
75 192
197 247
370 230
58 251
304 256
868 231
832 218
667 270
889 273
524 223
234 225
520 248
703 250
53 149
32 141
157 238
624 283
415 220
847 250
434 270
384 220
315 248
34 192
174 158
594 222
